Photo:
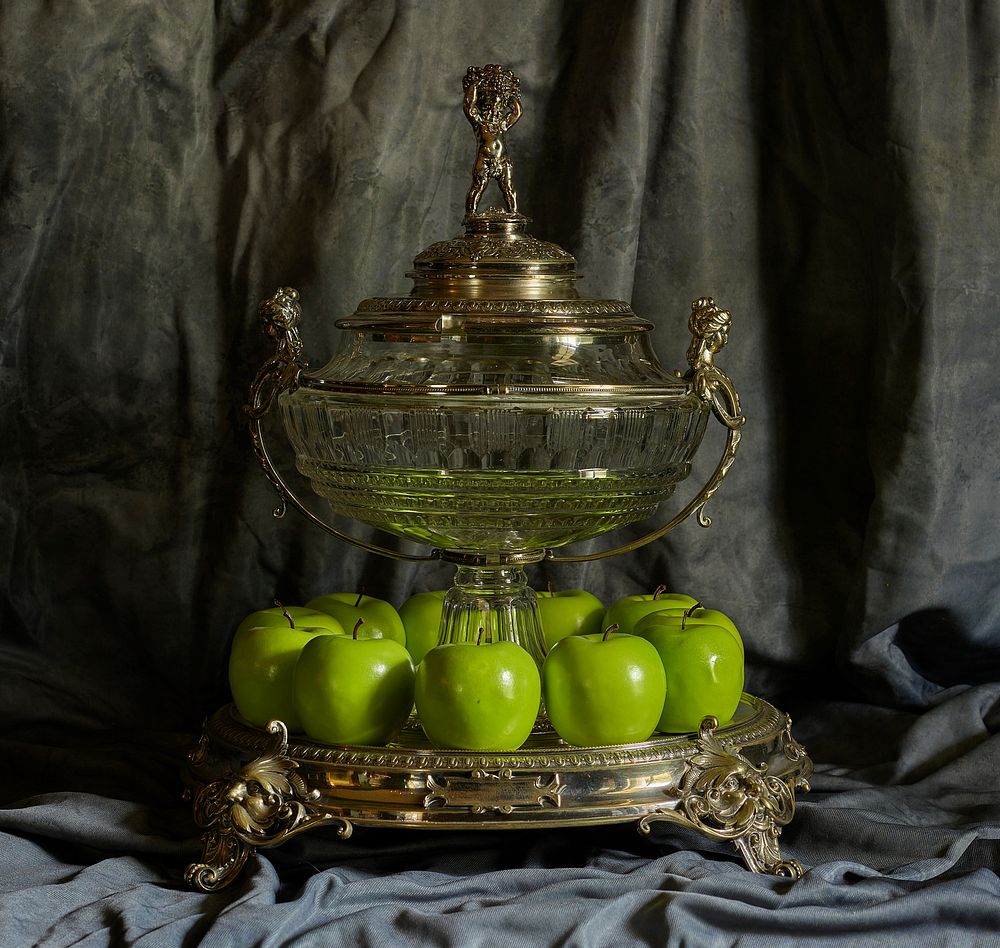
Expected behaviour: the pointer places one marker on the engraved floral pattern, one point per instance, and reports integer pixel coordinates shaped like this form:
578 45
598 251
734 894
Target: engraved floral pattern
473 249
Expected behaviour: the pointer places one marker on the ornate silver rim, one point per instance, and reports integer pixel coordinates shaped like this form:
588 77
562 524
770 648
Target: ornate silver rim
412 752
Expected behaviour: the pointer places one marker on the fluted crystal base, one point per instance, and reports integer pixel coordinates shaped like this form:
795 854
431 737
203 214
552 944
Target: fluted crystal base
496 600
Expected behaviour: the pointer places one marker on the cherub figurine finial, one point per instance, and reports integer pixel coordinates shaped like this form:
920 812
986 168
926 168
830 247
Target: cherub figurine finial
492 105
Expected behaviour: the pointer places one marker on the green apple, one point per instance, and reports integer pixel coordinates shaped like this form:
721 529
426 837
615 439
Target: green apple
569 612
703 664
629 610
262 668
695 615
603 689
478 696
282 616
421 615
352 689
381 619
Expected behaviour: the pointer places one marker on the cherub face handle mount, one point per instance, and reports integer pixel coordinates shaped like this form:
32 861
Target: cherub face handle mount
492 105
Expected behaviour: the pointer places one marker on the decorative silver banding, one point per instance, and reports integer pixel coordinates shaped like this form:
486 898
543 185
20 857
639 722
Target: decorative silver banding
448 315
530 307
679 391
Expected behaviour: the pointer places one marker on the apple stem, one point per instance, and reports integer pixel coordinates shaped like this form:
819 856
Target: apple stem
357 625
659 591
549 584
361 595
285 613
611 628
479 638
687 615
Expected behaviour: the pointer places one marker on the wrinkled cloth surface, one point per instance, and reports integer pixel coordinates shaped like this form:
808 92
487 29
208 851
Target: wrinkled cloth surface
828 172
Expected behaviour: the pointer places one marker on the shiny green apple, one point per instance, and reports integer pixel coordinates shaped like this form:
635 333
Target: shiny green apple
482 697
350 689
703 665
262 667
569 612
603 689
630 609
695 615
285 616
381 619
421 615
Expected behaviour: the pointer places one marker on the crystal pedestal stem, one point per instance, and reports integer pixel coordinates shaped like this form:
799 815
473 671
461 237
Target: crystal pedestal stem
498 600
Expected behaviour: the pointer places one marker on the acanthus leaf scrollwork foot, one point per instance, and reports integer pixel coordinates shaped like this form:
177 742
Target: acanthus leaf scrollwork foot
723 795
263 804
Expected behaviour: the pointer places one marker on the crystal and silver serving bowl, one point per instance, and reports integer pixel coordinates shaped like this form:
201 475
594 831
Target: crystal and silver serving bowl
494 413
494 427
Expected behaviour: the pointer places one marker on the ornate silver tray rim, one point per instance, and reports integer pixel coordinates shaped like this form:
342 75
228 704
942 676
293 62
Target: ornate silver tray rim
254 787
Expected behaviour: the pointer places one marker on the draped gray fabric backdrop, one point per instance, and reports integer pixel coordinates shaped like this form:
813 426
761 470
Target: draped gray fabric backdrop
829 172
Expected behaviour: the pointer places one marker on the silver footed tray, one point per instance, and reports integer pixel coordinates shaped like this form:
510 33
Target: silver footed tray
253 787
